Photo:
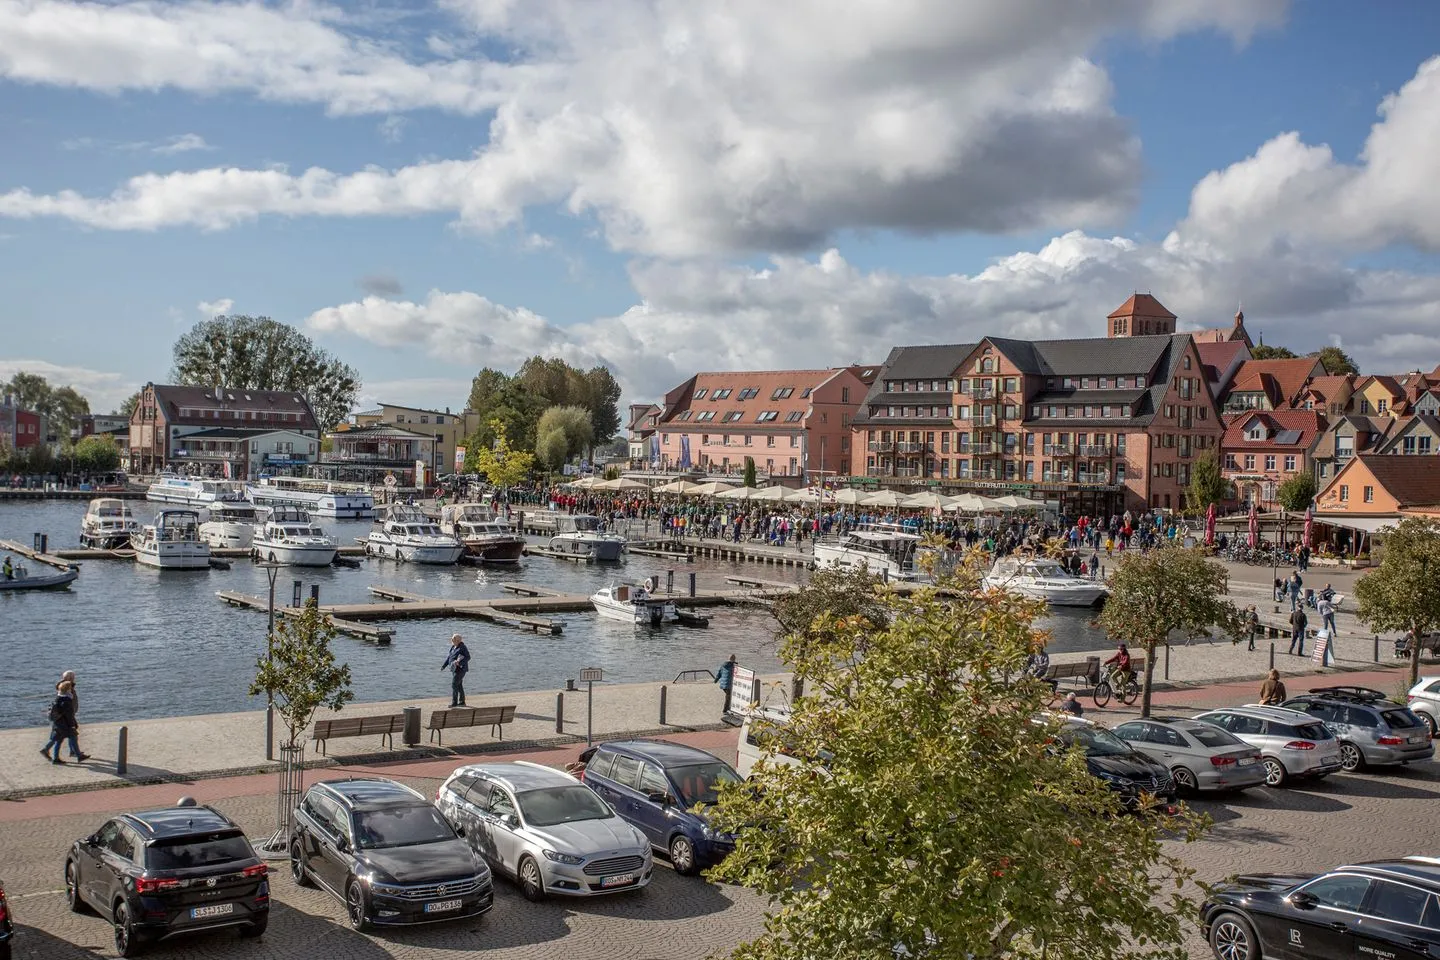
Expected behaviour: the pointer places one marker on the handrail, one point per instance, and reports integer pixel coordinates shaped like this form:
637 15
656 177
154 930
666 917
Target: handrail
692 676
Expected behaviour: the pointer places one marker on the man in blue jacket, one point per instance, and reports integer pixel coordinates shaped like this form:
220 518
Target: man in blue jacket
458 663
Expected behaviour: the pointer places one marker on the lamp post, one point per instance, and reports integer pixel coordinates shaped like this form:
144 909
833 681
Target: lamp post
272 570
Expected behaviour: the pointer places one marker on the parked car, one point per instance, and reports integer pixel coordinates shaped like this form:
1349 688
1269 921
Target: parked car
1372 729
161 873
1388 909
1291 744
1127 771
657 786
7 926
764 734
1200 756
385 852
1424 700
545 829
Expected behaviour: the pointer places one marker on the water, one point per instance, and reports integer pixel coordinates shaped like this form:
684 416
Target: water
147 643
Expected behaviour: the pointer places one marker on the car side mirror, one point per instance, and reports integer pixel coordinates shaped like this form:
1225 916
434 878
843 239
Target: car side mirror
343 845
90 841
510 820
459 831
658 796
1303 901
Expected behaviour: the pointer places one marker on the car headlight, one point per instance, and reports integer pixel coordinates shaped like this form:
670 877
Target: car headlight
1113 778
708 832
386 889
558 857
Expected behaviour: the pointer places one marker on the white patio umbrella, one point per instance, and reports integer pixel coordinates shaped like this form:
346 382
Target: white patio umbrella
850 496
585 483
712 489
1013 502
971 503
621 484
884 498
677 486
928 500
777 494
739 493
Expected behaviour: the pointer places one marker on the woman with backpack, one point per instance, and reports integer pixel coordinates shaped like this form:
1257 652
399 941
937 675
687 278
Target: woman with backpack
62 724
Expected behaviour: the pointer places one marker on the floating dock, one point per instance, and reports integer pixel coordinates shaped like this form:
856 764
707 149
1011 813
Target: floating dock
219 553
365 631
56 560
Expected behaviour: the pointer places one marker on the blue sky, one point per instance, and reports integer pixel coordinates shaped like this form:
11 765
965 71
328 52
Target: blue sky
653 206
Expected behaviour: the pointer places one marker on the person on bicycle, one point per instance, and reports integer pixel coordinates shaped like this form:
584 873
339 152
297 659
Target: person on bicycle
1121 662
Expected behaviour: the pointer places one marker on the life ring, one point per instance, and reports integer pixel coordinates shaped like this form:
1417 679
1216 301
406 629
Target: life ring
649 584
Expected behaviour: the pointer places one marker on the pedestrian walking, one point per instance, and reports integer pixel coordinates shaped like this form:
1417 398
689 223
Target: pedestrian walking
1298 623
1295 585
458 663
1272 691
1252 624
1326 608
62 725
725 676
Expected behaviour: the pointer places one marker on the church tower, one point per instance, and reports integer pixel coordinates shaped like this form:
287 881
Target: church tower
1140 316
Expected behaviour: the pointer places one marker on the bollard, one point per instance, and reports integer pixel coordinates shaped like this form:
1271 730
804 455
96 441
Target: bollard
315 593
1377 648
663 692
1272 654
270 732
560 707
122 750
692 584
412 726
298 592
669 581
1167 661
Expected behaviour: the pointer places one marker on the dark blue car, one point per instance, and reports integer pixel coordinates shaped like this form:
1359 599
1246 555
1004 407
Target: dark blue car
655 786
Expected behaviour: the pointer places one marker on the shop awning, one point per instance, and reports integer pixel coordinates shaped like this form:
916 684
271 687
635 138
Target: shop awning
1364 524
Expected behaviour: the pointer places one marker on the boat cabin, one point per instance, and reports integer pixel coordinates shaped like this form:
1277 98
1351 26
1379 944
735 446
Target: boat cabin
177 526
579 523
893 545
1029 568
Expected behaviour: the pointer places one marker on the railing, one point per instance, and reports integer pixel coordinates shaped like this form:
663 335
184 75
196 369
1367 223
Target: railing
984 448
983 393
1094 450
914 446
1057 450
986 419
880 446
1099 476
1055 477
909 472
877 471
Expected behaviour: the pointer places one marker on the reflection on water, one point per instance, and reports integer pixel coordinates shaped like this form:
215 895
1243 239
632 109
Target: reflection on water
150 643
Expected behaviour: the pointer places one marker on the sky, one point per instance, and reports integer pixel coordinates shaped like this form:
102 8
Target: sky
663 187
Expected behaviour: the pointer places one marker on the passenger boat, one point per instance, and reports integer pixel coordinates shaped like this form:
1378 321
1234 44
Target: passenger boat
194 491
230 524
108 524
319 498
1041 578
20 579
885 549
583 535
633 605
486 538
407 534
291 537
172 542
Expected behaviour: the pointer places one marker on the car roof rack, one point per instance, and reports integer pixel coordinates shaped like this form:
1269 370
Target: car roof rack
1354 694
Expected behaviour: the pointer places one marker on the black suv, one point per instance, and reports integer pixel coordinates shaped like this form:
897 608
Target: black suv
1388 908
1131 774
160 873
7 927
1371 728
385 851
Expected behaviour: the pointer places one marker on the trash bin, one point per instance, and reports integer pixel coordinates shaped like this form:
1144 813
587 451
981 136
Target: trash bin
412 726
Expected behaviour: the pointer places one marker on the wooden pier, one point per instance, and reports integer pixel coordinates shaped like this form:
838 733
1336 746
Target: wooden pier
219 553
533 551
8 493
56 560
365 631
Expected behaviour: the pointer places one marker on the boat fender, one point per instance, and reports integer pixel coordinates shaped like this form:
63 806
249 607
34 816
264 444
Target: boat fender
649 584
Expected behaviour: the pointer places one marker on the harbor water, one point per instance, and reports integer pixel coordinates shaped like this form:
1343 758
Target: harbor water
147 643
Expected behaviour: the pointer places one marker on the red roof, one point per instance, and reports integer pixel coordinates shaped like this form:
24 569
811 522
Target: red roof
1292 429
1142 305
1217 356
1280 380
1400 478
750 395
1329 387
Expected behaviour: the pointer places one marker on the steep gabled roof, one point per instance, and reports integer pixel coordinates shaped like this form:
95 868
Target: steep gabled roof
1141 305
1410 487
1330 386
1408 425
1280 380
1091 356
177 398
1285 428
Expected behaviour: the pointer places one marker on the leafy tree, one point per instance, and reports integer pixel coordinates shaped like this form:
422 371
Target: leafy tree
258 353
1298 492
1336 361
128 407
948 821
485 390
1265 351
542 383
299 672
1403 593
62 407
1163 592
842 592
30 390
502 465
604 403
563 432
96 454
1207 485
749 477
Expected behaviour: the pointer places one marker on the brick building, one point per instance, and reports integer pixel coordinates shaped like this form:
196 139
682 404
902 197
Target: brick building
1264 448
208 431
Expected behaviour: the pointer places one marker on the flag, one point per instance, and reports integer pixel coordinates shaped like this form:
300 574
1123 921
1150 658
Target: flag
684 451
226 469
655 449
1210 525
1309 523
1254 527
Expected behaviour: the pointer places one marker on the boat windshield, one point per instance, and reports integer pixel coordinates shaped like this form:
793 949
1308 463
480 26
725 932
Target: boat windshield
581 524
1044 568
901 549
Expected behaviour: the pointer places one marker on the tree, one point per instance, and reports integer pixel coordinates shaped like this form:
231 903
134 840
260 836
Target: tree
29 390
542 383
257 353
1403 593
749 478
1163 592
563 432
845 593
128 407
947 821
1298 492
502 466
485 390
1336 361
62 407
1266 352
1207 484
604 403
96 454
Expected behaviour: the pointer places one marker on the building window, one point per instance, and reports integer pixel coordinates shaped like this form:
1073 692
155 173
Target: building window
1140 382
1344 493
1290 463
1249 461
1369 494
794 440
1187 361
1011 385
1424 444
844 394
1382 405
1324 470
1269 462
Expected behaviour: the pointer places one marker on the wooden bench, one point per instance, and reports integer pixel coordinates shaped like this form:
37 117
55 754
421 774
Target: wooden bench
1087 670
456 717
384 727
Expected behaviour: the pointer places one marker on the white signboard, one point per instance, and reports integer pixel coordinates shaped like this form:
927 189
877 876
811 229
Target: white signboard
744 688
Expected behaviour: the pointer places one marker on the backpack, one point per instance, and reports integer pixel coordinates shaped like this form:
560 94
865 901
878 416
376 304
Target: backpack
56 714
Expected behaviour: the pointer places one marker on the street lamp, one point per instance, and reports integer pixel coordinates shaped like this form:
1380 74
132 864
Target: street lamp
272 570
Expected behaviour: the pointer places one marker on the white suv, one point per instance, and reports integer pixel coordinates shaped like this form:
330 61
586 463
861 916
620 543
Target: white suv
1424 702
1292 744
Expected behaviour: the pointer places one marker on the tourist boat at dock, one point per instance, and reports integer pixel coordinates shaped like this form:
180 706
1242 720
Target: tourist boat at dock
291 537
319 498
486 537
633 605
172 542
1042 578
194 491
885 549
229 524
108 524
409 535
583 535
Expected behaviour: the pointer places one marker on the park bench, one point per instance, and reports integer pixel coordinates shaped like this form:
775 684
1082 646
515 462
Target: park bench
456 717
1087 671
384 727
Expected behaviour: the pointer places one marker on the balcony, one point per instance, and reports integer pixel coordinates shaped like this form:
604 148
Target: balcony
1058 450
912 446
1094 450
984 475
985 418
880 446
983 393
877 471
909 472
1095 476
984 448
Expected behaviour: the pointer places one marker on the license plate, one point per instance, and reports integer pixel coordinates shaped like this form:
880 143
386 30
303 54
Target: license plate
1247 761
622 881
1333 760
440 906
214 910
1417 739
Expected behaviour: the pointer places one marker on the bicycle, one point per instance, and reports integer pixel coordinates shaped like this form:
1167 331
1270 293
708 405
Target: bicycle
1125 688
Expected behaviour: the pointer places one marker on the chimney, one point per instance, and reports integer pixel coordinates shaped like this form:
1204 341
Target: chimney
219 393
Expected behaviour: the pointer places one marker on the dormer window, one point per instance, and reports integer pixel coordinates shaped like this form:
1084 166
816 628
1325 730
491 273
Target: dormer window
1256 431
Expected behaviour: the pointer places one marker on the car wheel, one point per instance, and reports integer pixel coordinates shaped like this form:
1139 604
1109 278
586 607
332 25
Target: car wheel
127 941
298 873
531 883
1185 781
1232 938
255 929
1351 759
1429 724
72 890
1275 775
682 856
357 911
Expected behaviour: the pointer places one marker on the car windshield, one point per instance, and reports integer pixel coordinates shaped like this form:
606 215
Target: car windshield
400 827
551 805
185 852
1095 741
700 783
1209 736
1401 718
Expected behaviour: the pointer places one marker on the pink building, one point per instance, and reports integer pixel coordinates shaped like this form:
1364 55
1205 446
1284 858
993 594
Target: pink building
795 424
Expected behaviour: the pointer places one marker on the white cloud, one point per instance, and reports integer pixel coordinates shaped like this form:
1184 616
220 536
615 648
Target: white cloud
179 143
105 390
392 128
182 143
215 308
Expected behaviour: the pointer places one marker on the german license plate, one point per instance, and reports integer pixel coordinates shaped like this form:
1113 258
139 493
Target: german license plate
440 906
1246 761
1331 760
621 881
214 910
1417 739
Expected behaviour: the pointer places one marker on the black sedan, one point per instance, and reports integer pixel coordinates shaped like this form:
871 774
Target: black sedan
1387 909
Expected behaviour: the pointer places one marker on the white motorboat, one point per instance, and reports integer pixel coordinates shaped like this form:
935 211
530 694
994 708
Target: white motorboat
486 537
108 524
583 535
194 491
633 605
172 542
291 537
1042 578
407 534
886 550
319 498
230 524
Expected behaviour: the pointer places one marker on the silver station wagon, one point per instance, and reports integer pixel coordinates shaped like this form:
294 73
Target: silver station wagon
1201 756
